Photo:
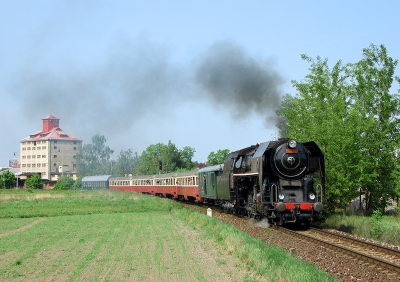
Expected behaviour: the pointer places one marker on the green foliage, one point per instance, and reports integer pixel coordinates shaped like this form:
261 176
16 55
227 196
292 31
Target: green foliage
77 184
215 158
64 182
187 154
94 159
171 157
125 163
349 112
7 180
376 226
34 182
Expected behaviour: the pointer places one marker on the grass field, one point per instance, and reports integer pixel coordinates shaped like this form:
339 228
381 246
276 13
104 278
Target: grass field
112 236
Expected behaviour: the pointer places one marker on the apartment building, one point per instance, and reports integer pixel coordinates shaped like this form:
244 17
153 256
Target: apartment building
50 152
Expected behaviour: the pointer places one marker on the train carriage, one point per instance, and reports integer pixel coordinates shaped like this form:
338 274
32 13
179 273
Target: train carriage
187 186
96 182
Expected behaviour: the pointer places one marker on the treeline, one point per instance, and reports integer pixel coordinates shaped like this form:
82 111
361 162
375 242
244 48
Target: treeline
96 159
350 112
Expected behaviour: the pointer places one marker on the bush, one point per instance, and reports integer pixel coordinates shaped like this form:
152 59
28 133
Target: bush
7 179
64 182
34 182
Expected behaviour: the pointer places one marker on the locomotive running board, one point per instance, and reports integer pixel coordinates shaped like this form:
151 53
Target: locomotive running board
245 174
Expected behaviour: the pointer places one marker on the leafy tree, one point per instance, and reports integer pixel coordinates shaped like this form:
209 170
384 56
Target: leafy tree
373 79
149 159
349 112
187 154
64 182
34 182
218 157
126 163
94 159
7 180
171 157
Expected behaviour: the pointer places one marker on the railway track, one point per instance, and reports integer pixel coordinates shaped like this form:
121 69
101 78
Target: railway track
345 257
385 260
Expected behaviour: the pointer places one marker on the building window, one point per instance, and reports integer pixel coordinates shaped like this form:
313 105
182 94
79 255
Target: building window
29 148
33 165
55 164
23 157
55 142
43 147
33 156
38 156
75 148
29 157
55 156
43 156
43 173
28 165
55 147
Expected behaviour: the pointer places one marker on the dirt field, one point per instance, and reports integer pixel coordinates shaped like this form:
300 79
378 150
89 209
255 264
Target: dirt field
114 247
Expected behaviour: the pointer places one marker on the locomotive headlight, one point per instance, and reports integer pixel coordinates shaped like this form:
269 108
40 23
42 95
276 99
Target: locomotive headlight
292 144
311 196
281 196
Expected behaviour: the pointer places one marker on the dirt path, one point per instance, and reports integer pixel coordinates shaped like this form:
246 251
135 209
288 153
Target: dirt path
22 228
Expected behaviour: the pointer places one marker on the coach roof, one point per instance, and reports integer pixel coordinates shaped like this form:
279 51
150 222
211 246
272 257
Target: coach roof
96 178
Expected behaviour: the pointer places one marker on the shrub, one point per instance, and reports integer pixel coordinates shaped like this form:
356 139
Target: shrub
7 179
34 182
64 182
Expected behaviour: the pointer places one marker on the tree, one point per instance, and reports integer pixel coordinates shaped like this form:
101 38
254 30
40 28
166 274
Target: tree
7 180
125 164
379 138
94 159
149 159
217 157
34 182
349 112
64 182
187 154
169 155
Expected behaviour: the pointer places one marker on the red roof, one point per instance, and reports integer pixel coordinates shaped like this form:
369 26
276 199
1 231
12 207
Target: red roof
51 131
51 117
54 134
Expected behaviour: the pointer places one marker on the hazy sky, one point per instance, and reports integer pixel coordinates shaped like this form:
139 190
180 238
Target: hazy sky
205 74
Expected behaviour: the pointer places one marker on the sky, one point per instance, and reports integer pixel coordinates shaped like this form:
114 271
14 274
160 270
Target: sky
205 74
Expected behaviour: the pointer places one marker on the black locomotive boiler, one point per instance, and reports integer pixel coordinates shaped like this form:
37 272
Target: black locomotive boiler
281 180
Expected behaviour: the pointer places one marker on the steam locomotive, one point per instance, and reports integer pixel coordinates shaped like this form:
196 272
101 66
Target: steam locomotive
283 181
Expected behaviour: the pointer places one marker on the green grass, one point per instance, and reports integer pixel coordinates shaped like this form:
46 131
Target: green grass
385 228
112 236
23 204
